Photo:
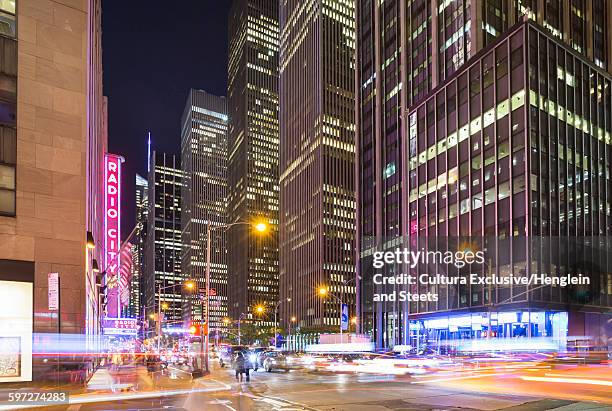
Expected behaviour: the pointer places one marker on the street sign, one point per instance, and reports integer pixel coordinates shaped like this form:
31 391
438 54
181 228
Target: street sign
53 285
344 319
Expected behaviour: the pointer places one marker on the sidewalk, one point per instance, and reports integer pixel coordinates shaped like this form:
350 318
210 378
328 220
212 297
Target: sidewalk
127 382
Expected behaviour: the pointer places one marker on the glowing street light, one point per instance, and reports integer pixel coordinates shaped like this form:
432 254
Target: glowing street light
260 309
323 291
164 306
260 227
91 244
226 321
190 285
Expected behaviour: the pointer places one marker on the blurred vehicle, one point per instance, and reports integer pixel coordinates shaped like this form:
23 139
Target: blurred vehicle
254 356
226 354
154 363
579 357
275 360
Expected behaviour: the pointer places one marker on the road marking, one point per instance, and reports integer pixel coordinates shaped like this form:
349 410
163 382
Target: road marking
224 403
278 403
569 380
465 377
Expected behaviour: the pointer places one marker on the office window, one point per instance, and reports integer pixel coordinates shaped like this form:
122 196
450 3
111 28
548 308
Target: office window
8 6
8 107
8 158
7 18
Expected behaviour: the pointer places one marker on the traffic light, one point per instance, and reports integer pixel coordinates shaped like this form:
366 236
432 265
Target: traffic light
194 329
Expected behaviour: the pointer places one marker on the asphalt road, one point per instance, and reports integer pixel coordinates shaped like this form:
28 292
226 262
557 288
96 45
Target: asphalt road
486 389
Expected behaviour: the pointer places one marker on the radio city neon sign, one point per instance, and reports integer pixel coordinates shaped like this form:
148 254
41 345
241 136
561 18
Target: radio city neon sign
112 212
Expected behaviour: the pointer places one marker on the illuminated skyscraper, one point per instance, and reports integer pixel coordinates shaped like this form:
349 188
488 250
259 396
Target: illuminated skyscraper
253 153
317 193
142 211
204 159
163 239
452 98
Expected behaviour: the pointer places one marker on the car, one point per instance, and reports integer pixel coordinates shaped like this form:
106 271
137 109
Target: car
226 354
254 357
275 360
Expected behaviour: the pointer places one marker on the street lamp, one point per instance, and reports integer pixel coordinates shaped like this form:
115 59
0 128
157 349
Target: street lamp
260 227
323 292
275 310
91 244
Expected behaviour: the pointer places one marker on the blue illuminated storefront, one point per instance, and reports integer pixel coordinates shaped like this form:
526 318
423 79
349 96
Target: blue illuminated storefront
441 332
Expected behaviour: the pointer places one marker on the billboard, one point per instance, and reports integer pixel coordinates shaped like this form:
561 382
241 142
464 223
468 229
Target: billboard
112 230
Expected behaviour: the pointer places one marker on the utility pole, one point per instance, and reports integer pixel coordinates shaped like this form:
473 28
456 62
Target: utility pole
208 234
159 327
490 292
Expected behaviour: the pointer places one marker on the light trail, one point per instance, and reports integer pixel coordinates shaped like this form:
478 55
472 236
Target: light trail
569 380
464 377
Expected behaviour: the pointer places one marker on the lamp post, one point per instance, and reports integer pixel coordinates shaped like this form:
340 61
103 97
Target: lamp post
275 310
293 319
164 306
324 291
239 335
260 227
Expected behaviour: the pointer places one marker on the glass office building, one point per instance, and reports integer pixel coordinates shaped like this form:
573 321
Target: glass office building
515 147
253 140
162 269
204 197
142 209
317 208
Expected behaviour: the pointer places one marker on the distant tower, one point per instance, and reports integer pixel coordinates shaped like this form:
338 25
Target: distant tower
204 162
163 238
253 154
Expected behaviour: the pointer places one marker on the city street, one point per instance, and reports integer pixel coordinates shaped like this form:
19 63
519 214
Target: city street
374 204
487 389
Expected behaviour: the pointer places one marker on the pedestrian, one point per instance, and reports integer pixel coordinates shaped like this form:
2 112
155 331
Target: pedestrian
240 366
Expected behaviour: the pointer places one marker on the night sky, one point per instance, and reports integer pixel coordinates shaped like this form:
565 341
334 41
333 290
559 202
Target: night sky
153 53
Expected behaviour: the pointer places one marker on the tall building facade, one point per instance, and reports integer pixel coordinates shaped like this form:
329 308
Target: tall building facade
52 144
469 119
253 155
204 159
162 277
142 212
317 193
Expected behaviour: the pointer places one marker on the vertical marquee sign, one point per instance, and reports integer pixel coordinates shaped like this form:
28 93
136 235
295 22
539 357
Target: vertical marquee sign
112 231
